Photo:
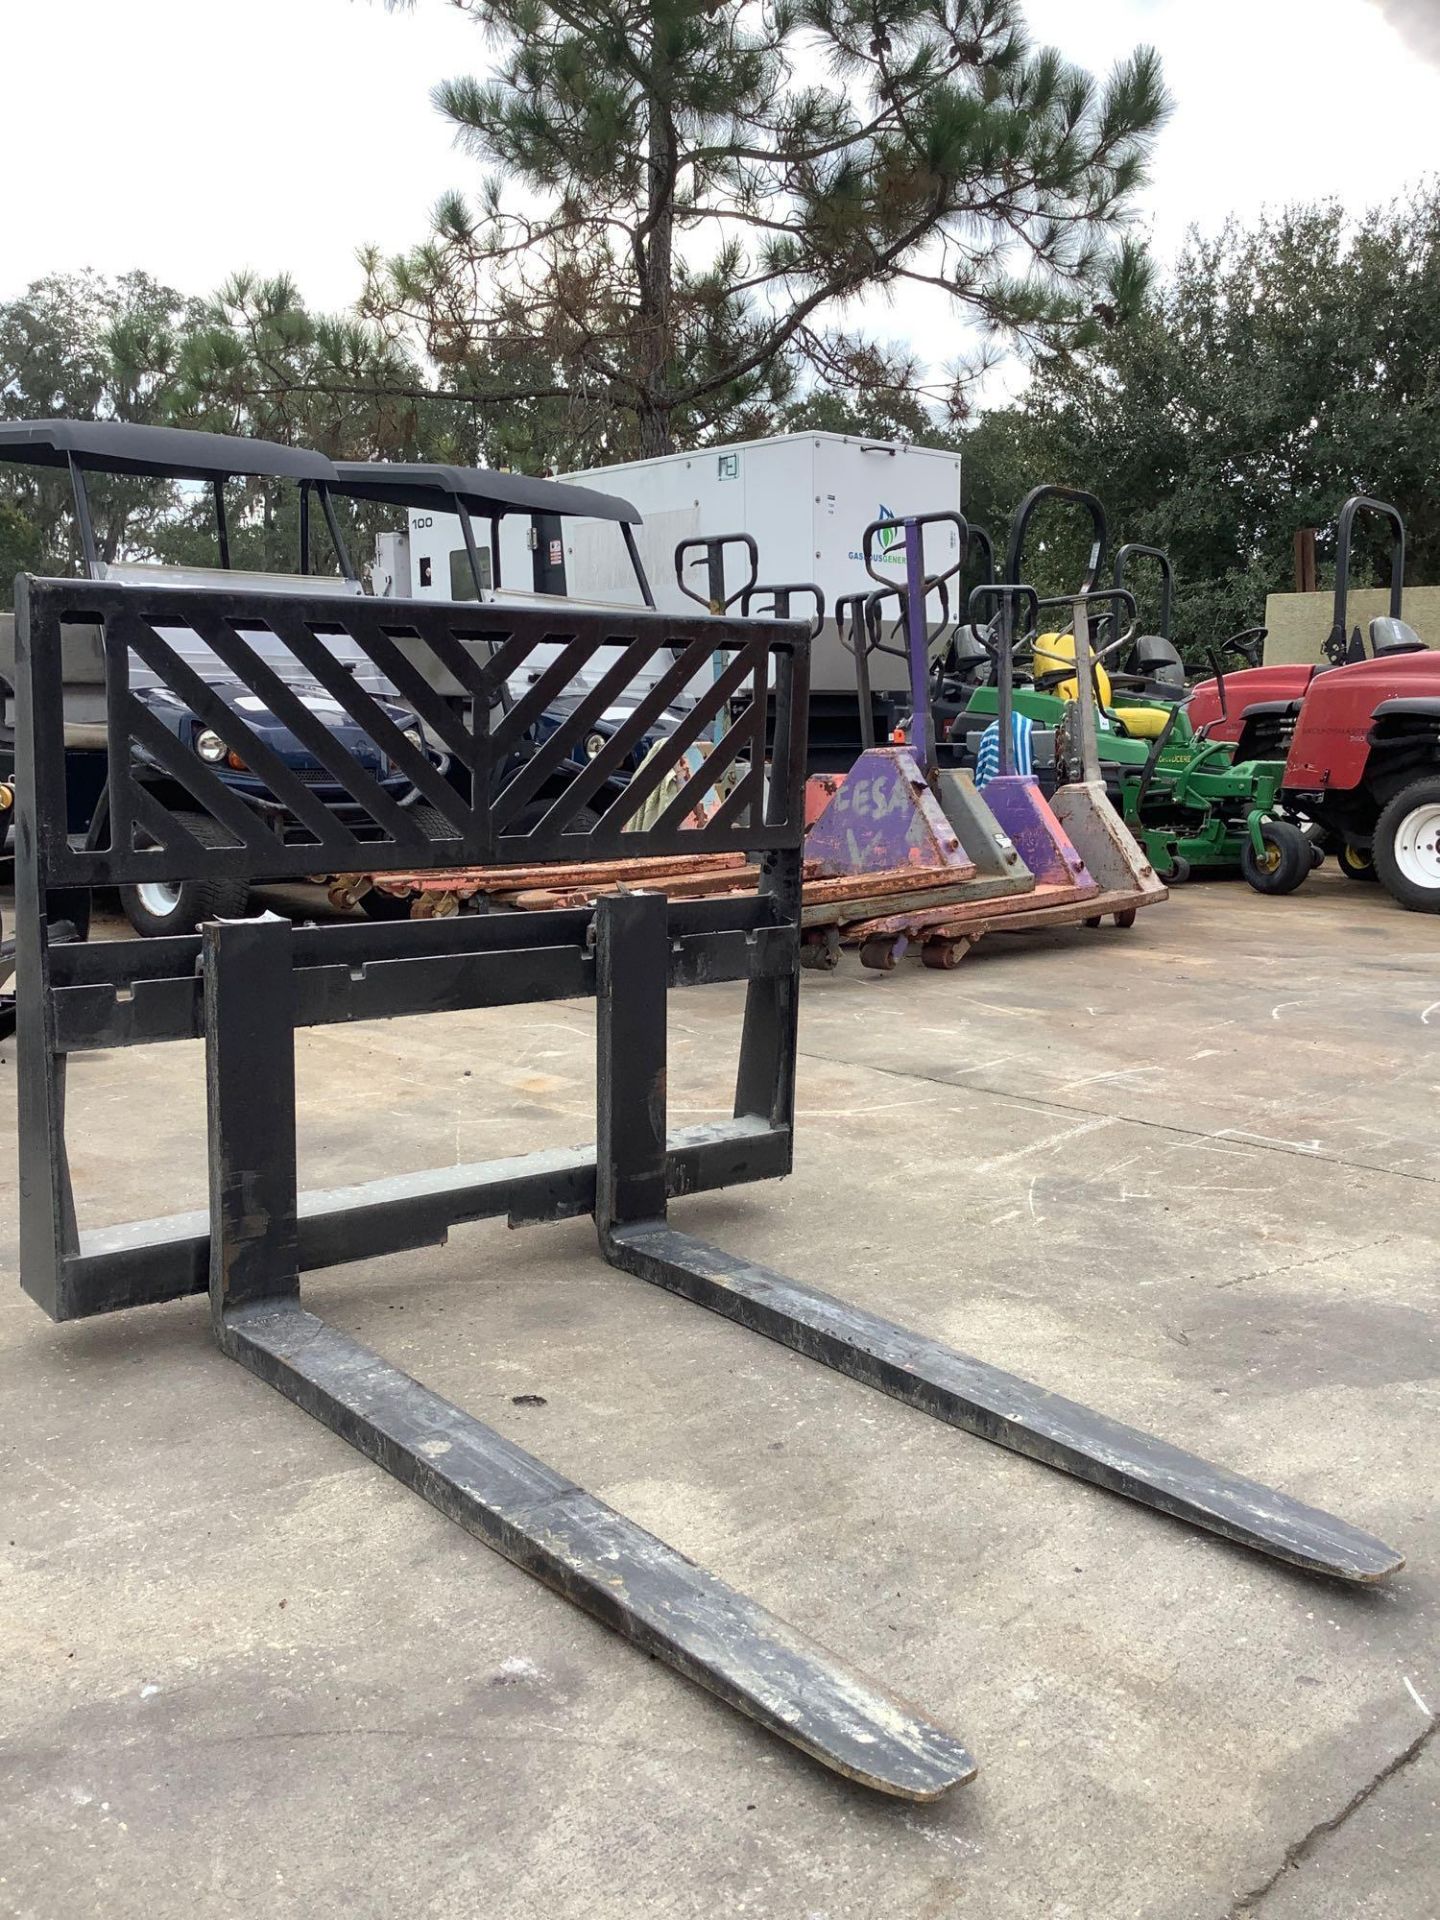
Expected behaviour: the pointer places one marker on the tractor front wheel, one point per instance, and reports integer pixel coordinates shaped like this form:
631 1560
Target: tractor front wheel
1407 846
1357 863
1285 863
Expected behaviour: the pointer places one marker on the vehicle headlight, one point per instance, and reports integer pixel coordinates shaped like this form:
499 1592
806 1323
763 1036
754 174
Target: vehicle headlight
210 746
595 743
416 738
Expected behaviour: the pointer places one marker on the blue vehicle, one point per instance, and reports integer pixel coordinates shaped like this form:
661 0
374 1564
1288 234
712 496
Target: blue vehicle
83 449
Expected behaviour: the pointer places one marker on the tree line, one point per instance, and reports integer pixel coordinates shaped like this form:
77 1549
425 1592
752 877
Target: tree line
681 205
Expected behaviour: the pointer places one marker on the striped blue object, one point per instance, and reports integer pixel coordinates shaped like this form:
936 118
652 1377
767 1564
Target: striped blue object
1022 754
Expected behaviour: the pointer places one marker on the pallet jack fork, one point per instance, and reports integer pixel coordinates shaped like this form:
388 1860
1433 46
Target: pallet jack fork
248 986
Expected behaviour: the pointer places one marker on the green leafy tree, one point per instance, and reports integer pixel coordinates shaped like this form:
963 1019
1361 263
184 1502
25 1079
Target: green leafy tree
687 198
251 360
56 359
1280 368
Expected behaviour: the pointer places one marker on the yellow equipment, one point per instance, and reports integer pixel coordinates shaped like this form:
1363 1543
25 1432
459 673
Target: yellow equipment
1053 652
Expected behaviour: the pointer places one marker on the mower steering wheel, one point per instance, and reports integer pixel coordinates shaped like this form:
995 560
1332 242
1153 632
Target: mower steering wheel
1247 644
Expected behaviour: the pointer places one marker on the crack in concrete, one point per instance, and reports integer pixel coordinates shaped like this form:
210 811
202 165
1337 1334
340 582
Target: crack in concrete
1309 1260
1247 1143
1300 1849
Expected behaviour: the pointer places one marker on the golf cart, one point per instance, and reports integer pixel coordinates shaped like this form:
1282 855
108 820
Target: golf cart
300 723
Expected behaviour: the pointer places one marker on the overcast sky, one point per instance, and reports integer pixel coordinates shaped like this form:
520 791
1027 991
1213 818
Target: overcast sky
191 137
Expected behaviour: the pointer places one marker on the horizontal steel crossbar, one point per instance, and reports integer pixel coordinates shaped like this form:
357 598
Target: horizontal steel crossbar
93 1016
142 1262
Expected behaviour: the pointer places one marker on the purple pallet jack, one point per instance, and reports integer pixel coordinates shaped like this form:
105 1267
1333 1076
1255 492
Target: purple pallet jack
895 810
1016 799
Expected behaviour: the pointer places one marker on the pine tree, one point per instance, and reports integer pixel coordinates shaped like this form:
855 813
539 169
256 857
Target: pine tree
686 198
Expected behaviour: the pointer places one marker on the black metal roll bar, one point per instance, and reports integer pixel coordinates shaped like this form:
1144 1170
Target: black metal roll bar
1337 646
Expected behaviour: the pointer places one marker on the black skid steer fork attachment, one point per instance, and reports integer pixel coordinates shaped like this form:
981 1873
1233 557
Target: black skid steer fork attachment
248 985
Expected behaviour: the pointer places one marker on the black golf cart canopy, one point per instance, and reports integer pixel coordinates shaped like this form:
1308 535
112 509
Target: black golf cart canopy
480 490
82 447
115 446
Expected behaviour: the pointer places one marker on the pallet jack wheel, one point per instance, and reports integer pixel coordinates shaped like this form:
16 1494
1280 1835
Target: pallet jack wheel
1095 920
1126 917
941 955
821 951
879 955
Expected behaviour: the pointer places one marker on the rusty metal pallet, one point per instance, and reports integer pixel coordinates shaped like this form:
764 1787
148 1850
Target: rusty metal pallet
944 936
827 898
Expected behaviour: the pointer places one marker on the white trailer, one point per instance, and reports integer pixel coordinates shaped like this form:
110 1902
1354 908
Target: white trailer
806 498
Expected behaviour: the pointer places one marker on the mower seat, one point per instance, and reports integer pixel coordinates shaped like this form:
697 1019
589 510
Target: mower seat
1158 659
969 658
1389 637
1142 723
1053 652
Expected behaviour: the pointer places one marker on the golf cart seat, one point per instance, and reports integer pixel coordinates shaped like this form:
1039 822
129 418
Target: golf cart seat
1389 637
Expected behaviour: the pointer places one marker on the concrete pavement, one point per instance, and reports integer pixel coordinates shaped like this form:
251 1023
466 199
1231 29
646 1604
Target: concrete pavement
1187 1174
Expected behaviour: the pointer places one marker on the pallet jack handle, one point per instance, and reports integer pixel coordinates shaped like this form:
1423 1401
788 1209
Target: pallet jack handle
1025 513
782 599
1134 550
853 628
918 586
709 551
1002 627
1088 661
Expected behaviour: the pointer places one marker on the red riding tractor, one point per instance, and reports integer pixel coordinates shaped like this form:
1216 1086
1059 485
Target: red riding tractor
1360 738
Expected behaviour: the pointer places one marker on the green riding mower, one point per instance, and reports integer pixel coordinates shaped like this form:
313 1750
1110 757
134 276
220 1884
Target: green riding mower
1194 808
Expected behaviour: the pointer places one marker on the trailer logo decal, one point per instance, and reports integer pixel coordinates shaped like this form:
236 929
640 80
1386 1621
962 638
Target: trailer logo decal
887 539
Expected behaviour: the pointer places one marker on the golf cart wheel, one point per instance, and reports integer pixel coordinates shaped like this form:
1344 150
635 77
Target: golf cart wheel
156 908
1285 863
1407 846
1357 863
